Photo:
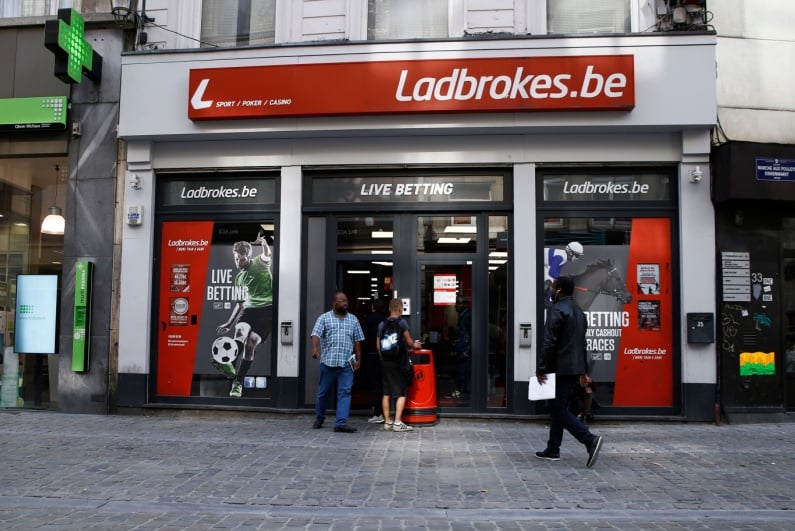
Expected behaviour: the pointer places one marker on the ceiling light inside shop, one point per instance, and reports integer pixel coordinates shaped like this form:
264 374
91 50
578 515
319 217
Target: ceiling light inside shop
387 234
454 240
358 272
460 229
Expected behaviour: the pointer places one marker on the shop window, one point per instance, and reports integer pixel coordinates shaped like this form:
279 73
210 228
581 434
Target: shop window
30 189
499 256
45 8
216 309
406 19
229 23
622 272
446 234
366 234
588 16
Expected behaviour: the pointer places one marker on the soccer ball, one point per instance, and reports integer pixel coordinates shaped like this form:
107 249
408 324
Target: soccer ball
224 350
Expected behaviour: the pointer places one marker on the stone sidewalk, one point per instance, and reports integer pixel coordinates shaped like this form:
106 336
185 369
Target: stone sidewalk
270 471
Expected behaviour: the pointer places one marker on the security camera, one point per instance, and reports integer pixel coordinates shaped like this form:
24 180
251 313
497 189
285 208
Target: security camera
696 174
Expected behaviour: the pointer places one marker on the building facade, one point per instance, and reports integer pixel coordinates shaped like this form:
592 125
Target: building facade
58 151
459 164
753 161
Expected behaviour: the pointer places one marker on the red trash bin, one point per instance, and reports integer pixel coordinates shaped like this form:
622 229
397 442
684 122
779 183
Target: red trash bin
421 407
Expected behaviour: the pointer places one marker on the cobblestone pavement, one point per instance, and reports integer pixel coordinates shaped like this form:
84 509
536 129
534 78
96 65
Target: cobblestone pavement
272 471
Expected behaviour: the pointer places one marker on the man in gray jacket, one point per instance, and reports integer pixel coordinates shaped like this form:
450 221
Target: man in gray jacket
564 353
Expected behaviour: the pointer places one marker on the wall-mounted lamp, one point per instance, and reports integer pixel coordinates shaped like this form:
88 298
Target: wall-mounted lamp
696 174
125 12
54 223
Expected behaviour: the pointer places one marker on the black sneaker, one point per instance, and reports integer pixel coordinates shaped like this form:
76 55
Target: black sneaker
344 429
593 451
548 455
318 424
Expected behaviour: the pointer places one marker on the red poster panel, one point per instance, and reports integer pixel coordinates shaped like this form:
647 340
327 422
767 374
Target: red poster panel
185 254
644 375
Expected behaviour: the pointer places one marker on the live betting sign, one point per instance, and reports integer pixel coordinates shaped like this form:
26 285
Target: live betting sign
578 83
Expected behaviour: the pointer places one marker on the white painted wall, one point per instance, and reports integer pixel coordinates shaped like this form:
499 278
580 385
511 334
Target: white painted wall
524 269
697 258
756 79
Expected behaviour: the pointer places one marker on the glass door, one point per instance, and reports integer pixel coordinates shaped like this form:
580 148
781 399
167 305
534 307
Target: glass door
452 274
446 322
462 310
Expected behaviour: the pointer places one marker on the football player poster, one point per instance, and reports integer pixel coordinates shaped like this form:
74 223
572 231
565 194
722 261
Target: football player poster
216 309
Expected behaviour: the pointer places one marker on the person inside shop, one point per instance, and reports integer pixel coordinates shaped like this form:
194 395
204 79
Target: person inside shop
371 364
337 342
393 344
463 349
251 318
564 353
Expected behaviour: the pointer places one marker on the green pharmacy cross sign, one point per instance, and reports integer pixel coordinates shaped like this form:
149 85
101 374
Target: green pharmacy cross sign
73 54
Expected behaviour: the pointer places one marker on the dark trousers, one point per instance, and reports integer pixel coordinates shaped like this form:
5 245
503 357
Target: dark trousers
464 374
562 418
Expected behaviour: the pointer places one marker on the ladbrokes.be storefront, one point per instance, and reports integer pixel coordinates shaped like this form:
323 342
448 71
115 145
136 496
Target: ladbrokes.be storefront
456 185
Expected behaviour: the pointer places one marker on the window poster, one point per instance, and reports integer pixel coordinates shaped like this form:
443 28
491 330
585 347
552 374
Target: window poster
622 273
216 309
649 279
648 315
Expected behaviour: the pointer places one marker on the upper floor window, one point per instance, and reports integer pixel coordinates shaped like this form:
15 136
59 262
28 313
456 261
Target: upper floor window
406 19
588 16
238 22
46 8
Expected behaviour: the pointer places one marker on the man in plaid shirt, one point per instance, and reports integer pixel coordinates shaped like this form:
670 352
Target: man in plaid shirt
335 337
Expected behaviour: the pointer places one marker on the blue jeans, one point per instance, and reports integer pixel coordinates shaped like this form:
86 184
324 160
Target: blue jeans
343 377
562 418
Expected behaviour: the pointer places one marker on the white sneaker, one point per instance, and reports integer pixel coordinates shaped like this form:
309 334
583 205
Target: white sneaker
376 419
400 426
388 426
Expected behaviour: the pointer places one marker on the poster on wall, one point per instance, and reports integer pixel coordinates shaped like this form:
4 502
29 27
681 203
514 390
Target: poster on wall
216 309
625 292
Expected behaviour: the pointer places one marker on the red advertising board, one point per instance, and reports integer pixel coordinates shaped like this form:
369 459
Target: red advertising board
644 375
185 256
563 83
215 309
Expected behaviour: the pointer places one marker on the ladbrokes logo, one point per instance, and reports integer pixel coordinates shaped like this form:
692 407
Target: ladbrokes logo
605 188
461 86
545 83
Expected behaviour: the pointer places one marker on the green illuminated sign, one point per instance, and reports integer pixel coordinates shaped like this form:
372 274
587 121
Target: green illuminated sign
33 114
81 332
74 56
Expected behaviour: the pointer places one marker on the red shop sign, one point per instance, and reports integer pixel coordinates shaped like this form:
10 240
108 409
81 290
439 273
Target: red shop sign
578 83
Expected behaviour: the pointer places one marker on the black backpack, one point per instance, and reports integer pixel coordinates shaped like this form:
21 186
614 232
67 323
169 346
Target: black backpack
390 339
